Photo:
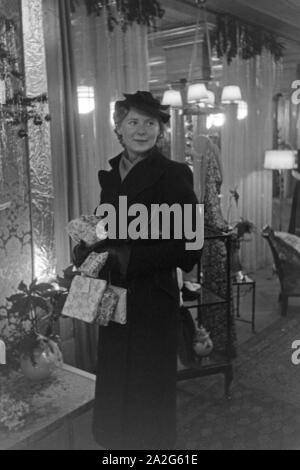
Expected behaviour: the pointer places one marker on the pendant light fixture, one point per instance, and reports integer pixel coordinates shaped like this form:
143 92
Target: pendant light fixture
231 94
195 93
172 98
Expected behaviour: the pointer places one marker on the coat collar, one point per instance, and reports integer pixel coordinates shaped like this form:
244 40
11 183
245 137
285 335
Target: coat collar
114 162
144 175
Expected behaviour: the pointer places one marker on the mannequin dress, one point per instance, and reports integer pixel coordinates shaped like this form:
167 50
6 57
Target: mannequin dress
214 257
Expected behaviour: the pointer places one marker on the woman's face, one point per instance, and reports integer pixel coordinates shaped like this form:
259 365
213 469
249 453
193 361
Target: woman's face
139 132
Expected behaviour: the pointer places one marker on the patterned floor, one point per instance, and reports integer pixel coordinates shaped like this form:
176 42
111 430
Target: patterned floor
264 411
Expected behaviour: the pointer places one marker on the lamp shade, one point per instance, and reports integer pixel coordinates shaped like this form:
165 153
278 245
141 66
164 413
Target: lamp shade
172 98
231 94
197 92
280 159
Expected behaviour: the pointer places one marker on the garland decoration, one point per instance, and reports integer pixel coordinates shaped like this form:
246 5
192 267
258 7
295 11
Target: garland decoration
124 12
232 37
20 109
15 107
8 52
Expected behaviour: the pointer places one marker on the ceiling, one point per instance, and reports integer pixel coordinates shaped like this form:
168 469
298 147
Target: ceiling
282 17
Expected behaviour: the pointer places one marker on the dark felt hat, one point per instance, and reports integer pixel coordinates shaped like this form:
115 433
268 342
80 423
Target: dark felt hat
144 101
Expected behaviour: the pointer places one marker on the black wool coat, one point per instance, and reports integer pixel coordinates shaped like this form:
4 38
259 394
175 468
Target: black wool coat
135 398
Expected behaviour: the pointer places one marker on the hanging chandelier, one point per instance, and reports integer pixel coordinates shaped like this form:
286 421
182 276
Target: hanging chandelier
192 94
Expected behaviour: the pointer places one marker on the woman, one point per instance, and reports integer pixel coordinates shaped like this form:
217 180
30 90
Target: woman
135 400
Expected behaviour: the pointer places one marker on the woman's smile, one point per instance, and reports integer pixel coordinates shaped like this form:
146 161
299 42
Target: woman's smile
139 132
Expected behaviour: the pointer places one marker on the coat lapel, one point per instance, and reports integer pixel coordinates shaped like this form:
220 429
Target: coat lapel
144 175
110 182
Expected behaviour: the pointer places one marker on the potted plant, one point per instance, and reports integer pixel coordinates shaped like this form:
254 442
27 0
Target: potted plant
31 317
241 229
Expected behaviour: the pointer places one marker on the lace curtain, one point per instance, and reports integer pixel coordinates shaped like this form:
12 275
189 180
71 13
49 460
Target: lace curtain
243 145
106 65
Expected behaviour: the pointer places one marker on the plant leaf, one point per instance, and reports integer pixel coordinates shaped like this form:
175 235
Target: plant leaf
39 302
16 297
33 284
58 304
23 287
22 307
50 294
42 287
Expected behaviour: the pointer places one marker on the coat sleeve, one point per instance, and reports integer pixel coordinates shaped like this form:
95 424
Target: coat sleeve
164 255
167 254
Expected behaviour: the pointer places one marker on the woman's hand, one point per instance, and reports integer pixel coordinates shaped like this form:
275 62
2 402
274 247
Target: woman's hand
82 250
118 256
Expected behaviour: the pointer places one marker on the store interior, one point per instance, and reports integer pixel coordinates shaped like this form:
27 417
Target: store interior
230 72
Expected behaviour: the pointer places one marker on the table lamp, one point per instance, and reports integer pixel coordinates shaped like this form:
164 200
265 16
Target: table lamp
280 160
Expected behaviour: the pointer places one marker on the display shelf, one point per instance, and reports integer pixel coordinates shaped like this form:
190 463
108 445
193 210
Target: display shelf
206 297
56 408
214 363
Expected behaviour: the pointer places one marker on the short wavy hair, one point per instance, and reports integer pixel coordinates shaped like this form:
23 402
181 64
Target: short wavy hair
121 111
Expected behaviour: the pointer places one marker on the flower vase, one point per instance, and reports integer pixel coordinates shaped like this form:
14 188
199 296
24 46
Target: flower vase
41 362
203 344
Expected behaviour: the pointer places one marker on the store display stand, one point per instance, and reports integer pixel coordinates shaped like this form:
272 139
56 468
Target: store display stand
249 284
212 365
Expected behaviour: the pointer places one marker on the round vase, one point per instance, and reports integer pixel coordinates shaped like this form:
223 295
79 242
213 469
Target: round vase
41 363
203 345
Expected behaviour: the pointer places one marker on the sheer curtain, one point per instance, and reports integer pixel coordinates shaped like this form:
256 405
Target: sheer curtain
88 69
243 145
106 64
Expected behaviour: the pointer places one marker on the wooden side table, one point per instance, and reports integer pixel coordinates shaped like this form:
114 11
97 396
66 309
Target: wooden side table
241 284
58 410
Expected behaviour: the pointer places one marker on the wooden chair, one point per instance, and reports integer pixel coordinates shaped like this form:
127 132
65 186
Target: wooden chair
285 248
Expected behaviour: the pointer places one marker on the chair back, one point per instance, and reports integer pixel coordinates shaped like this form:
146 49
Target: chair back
286 254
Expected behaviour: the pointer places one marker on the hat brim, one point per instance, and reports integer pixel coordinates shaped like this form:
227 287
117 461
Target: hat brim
159 113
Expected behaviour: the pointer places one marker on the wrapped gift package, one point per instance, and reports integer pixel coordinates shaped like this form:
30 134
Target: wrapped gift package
120 313
87 228
84 297
93 264
107 307
94 301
